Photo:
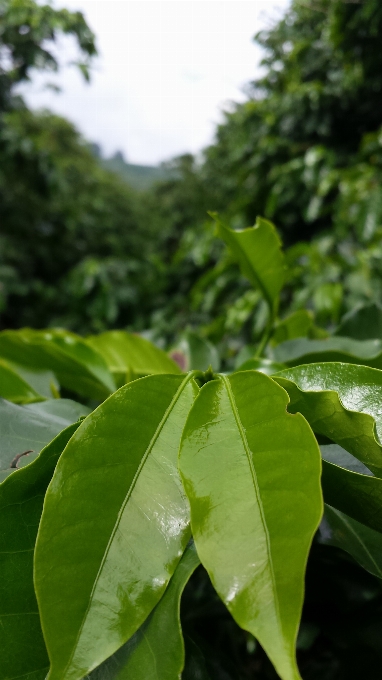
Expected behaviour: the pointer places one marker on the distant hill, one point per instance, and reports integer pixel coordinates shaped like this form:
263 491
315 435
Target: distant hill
140 177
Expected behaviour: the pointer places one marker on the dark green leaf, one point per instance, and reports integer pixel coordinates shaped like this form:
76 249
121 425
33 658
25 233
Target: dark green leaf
258 252
341 402
76 365
361 542
334 349
266 366
157 649
129 355
22 647
30 428
252 475
362 323
296 325
115 524
359 496
195 668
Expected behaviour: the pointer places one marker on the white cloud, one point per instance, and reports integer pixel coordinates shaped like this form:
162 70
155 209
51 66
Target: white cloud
166 68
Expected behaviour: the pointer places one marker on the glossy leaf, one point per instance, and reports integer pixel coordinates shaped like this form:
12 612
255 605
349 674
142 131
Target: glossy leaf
31 427
157 648
341 402
115 524
22 648
129 355
362 323
14 388
296 325
334 349
258 252
262 365
252 475
335 454
199 354
76 365
361 542
359 496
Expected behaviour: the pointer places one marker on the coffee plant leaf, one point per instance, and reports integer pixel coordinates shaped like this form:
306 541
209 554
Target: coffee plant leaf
355 494
334 349
361 542
115 524
362 323
262 365
157 648
260 257
341 402
25 430
22 648
14 387
196 353
128 353
252 475
77 366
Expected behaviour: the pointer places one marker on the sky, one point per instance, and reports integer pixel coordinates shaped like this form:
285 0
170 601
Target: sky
165 72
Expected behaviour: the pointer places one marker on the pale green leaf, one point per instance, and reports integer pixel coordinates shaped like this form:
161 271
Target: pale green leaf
252 475
115 524
129 355
258 252
156 651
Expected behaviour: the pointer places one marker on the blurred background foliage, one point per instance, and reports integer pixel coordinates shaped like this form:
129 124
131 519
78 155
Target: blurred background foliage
92 244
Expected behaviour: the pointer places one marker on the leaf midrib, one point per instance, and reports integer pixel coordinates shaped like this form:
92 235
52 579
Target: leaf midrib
258 496
127 498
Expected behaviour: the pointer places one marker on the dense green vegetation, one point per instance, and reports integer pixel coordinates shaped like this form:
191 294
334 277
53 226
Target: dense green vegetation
84 248
118 506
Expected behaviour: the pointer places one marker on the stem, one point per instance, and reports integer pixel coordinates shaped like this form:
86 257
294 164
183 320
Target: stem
266 335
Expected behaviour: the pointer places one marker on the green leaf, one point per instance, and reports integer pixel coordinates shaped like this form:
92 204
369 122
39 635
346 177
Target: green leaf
157 648
361 542
76 365
362 323
334 349
195 667
262 365
333 453
14 388
296 325
31 427
115 524
359 496
341 402
252 475
258 252
197 353
129 355
22 648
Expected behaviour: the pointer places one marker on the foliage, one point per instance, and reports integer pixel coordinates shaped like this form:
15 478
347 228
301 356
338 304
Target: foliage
232 460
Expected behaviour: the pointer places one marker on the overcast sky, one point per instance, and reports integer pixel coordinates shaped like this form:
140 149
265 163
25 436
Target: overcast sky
165 70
